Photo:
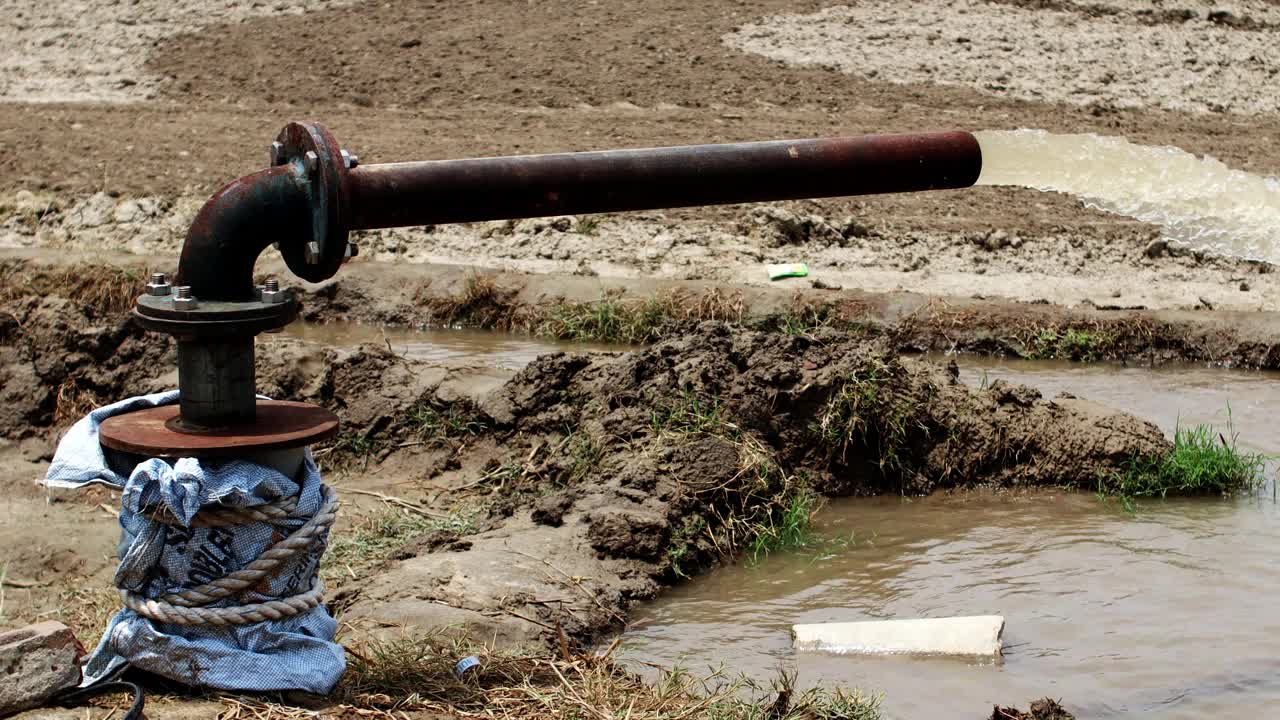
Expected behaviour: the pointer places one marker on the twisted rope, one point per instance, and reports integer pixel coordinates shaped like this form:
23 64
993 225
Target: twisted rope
185 607
272 512
241 615
296 544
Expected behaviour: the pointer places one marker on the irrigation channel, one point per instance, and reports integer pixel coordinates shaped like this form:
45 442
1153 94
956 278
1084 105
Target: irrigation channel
1162 613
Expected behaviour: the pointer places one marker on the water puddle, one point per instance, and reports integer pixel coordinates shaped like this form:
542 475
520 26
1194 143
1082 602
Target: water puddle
1198 202
442 345
1167 614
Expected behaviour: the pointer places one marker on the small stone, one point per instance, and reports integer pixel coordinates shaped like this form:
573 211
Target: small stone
1156 248
996 240
820 284
35 662
415 42
1244 286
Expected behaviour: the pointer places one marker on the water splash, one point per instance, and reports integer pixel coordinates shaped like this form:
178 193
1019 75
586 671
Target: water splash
1198 202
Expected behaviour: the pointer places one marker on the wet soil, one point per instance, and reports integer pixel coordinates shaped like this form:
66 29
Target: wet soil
580 501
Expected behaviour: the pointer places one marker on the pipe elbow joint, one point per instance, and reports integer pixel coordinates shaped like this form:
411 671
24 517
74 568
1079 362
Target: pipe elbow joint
298 204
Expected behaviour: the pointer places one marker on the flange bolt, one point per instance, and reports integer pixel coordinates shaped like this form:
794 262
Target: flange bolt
183 300
349 159
311 161
271 292
159 285
277 153
312 253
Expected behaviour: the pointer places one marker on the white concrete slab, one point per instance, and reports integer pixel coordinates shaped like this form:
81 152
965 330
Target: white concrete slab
977 635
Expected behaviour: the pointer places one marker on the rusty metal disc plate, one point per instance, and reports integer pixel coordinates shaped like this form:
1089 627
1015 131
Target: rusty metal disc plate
279 425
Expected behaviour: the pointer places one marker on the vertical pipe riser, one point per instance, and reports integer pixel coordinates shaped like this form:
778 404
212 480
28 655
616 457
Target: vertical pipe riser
216 383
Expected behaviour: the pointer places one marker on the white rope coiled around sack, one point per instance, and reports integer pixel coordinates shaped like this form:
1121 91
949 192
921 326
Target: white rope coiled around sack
185 607
272 512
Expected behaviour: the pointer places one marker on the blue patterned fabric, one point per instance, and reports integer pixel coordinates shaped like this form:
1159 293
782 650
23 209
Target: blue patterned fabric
156 559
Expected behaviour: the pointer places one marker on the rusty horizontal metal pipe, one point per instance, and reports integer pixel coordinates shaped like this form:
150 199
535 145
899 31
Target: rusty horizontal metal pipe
314 195
498 188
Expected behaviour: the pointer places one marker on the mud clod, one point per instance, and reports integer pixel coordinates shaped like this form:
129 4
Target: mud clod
1045 709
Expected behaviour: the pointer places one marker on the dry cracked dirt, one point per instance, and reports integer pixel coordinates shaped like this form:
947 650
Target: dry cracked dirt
553 498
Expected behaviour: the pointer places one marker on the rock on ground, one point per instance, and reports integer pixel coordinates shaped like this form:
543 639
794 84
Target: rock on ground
35 662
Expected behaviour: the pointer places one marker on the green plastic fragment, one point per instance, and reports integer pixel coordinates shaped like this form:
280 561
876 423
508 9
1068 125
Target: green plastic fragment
777 272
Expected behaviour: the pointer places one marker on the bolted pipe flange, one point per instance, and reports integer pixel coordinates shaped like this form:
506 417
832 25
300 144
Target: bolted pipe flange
159 285
272 294
322 168
184 300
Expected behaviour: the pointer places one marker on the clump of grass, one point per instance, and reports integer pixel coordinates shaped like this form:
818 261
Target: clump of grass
350 451
610 319
1081 345
432 419
584 454
762 509
481 303
1202 462
588 225
416 675
376 536
102 289
690 414
613 318
72 401
804 316
790 529
871 415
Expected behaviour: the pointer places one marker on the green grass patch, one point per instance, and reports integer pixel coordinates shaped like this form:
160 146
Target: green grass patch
1067 344
375 536
872 417
1203 462
763 509
789 529
689 414
611 319
432 419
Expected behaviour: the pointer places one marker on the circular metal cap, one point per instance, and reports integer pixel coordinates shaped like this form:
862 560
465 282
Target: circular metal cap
158 432
321 157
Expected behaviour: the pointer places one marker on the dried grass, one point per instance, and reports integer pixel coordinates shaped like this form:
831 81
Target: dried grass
413 677
102 289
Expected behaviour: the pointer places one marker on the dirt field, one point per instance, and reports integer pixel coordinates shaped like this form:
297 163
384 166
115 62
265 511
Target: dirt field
116 124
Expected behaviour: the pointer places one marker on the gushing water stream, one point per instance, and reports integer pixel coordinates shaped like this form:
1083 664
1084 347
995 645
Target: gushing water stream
1198 201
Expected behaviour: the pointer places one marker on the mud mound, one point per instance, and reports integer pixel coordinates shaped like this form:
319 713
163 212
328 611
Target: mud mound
603 477
853 415
60 358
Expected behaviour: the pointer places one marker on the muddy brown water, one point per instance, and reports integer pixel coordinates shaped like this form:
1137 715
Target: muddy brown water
1166 614
444 345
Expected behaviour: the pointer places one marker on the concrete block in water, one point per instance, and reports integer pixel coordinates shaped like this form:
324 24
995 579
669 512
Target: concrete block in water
977 635
35 662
